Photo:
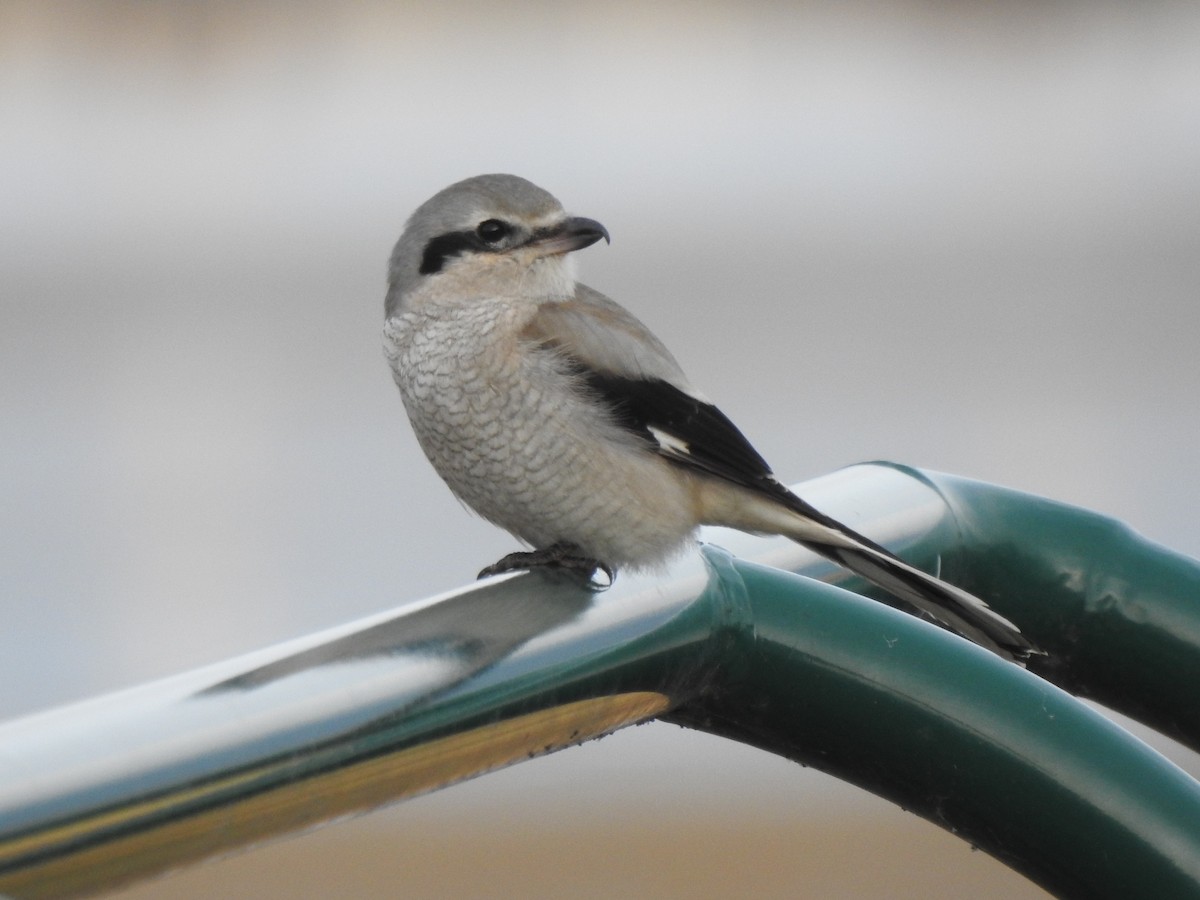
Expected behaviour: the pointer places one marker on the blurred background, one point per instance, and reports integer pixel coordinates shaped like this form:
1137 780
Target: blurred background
960 236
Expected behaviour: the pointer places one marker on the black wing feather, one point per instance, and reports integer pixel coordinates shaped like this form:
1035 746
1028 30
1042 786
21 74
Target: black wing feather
714 443
711 443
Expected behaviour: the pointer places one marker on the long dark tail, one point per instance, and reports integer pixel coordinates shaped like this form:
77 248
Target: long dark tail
958 610
950 606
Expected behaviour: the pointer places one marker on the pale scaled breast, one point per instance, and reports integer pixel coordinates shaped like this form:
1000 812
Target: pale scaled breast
514 440
461 387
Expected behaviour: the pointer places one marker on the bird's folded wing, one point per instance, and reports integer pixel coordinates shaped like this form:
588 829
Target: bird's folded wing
636 379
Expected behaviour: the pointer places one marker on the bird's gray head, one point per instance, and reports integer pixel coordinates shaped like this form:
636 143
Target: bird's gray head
488 220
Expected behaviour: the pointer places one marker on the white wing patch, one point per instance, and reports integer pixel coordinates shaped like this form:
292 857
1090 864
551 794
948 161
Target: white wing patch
669 443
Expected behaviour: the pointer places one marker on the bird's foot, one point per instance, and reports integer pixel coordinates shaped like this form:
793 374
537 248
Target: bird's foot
563 557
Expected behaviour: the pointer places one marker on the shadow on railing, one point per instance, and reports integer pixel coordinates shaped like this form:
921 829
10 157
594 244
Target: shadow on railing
104 792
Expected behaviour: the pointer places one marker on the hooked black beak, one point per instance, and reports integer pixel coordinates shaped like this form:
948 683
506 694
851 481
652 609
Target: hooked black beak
572 234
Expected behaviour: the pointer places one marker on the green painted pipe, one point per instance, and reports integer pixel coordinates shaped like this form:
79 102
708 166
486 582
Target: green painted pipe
992 753
1118 615
108 791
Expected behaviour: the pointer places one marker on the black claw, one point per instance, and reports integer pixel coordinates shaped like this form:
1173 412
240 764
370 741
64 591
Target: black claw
511 563
562 556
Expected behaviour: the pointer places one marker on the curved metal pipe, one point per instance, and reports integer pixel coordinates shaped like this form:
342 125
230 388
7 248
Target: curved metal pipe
104 792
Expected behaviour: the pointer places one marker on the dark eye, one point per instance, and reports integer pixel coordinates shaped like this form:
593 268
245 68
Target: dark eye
492 231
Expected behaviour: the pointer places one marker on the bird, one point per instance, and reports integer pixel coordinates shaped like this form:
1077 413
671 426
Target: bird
553 412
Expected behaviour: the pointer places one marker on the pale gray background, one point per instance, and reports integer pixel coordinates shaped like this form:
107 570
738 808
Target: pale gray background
961 236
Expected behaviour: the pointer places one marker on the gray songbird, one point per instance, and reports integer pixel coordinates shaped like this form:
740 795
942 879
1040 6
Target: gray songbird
554 413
